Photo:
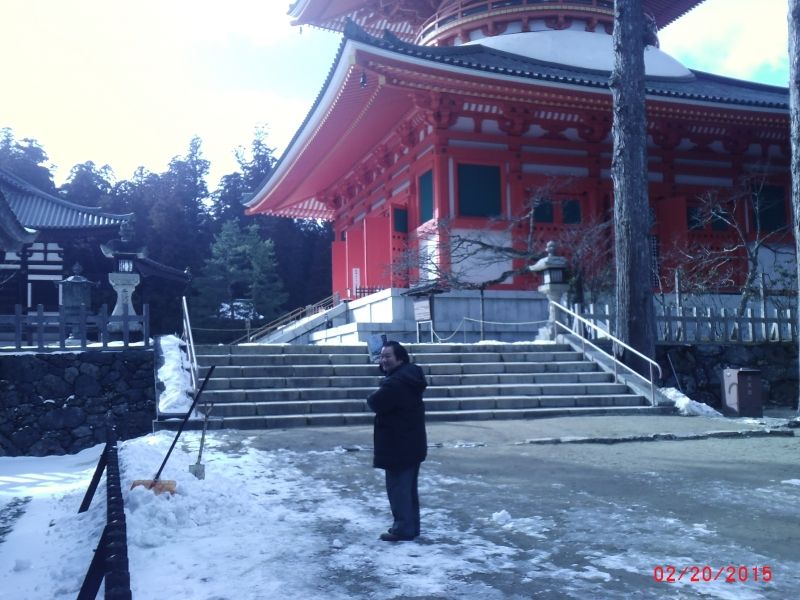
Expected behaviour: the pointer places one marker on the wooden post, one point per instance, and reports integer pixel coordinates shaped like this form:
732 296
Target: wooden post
763 298
18 319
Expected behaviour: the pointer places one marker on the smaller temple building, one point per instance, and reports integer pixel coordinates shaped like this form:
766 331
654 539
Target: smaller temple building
37 229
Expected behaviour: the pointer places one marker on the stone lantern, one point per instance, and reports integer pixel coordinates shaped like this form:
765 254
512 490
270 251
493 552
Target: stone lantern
76 291
554 270
124 280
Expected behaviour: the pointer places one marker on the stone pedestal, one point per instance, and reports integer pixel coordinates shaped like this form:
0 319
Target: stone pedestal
123 284
554 292
553 268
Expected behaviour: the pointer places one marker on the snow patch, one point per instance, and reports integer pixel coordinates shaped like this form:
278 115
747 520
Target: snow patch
175 374
689 407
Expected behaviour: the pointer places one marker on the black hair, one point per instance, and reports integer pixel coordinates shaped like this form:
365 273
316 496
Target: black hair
400 353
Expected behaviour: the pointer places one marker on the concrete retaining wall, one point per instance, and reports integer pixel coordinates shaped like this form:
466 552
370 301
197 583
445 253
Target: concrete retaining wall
508 316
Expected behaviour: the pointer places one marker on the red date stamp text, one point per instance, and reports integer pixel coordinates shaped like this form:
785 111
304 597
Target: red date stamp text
708 573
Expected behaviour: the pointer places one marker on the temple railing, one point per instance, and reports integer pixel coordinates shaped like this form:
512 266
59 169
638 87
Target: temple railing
188 339
457 13
288 318
46 332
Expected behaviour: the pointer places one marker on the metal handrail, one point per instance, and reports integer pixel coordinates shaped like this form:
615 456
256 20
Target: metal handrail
290 317
187 337
616 342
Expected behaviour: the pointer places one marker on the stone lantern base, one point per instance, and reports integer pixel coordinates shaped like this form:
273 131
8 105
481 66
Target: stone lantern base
123 284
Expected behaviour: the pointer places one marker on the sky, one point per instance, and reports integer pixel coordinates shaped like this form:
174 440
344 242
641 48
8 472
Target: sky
129 84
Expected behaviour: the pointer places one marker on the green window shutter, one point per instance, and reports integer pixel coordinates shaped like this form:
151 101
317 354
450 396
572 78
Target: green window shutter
769 206
543 211
571 212
694 219
425 197
479 191
400 220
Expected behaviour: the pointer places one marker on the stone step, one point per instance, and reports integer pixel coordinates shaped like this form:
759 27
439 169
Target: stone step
249 383
282 359
333 419
333 370
413 349
273 349
493 347
269 386
251 409
363 359
455 391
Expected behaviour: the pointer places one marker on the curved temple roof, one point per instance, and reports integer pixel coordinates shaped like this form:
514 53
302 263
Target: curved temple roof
12 234
307 167
36 209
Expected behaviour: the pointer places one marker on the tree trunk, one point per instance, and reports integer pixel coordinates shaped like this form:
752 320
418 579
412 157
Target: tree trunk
794 111
635 324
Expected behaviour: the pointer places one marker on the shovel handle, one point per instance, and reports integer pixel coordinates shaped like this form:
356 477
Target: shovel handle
185 419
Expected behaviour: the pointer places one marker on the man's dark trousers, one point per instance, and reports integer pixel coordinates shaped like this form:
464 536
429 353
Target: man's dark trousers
401 488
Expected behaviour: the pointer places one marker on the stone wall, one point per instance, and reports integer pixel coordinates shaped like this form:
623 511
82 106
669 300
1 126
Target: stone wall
699 370
59 403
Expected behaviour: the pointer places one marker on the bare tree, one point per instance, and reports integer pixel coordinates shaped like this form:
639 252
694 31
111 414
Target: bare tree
479 258
794 110
716 262
635 316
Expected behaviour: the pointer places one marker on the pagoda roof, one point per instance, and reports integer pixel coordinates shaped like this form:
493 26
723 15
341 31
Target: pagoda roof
35 209
404 18
349 118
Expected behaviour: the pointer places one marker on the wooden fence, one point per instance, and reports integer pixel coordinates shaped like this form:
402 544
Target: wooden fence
693 325
68 331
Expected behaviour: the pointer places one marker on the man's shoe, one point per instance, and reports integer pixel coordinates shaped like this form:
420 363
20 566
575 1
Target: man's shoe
392 537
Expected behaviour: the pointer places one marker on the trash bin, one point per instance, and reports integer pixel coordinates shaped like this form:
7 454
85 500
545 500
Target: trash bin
742 393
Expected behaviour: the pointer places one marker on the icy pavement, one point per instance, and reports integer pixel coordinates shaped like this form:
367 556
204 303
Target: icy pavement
294 515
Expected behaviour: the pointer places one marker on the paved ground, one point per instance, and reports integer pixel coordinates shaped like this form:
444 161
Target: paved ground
588 507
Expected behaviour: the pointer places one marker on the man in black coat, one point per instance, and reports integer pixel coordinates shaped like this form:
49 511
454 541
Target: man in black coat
401 443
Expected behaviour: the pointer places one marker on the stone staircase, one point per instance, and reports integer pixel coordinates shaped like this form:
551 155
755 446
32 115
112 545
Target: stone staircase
277 386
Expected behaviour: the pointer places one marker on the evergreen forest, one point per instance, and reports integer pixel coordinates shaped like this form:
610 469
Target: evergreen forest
241 267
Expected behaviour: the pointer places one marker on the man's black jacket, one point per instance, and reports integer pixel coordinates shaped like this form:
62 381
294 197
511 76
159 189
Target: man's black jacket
400 438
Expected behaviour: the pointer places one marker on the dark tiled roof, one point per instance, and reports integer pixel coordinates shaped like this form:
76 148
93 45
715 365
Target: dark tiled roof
147 266
12 234
702 87
36 209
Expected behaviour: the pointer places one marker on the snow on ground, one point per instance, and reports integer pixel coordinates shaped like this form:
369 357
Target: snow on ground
259 526
304 526
689 407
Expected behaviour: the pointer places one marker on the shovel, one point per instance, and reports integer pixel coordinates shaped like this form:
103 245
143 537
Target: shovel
198 469
155 484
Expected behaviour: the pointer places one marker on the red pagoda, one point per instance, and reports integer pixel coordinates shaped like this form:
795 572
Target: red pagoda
454 110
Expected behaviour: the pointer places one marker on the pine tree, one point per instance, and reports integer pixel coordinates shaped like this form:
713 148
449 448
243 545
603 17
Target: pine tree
241 266
27 160
88 185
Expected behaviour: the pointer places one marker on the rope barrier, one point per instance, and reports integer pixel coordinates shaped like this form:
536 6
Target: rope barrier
505 322
440 338
210 329
444 339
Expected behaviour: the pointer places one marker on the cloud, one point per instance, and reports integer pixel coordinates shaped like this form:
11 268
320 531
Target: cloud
738 38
